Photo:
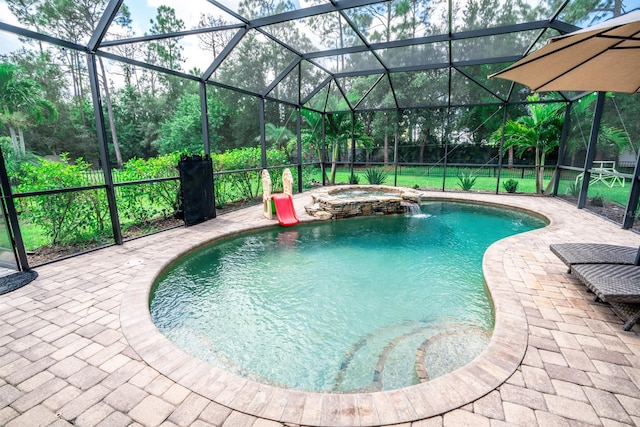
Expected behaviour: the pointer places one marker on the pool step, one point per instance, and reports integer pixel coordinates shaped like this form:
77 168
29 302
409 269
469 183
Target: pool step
437 350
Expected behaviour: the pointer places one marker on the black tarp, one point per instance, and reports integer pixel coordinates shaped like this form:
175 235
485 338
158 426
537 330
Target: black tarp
196 189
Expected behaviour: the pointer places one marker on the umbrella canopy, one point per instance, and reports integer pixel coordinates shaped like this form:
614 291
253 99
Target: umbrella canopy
604 57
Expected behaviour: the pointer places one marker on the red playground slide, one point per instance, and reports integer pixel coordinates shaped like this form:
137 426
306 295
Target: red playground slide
284 209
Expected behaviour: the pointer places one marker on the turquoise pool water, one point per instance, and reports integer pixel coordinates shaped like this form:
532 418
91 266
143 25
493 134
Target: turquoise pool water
364 304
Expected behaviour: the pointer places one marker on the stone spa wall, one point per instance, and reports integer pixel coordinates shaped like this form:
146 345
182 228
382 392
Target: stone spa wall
361 200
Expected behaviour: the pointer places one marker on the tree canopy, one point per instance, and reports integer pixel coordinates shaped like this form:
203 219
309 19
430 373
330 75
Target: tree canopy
381 60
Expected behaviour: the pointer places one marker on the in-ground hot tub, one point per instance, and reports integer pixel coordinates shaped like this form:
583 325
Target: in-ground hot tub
361 200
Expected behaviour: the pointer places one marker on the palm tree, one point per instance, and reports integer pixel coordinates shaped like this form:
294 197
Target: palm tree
311 134
539 131
277 136
22 104
337 134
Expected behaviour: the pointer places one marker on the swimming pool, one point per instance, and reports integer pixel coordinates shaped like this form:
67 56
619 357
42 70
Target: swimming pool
354 305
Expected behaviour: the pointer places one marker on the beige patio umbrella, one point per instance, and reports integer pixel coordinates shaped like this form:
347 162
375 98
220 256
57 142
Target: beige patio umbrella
604 57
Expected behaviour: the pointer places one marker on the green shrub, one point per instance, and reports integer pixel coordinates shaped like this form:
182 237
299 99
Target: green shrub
244 184
67 217
141 203
354 179
222 190
597 200
466 182
81 216
510 185
375 176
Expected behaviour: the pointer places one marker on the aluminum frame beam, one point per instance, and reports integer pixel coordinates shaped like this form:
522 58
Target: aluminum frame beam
591 150
152 37
103 25
223 55
103 148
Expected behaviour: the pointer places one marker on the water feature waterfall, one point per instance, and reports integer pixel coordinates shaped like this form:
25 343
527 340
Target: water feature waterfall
413 209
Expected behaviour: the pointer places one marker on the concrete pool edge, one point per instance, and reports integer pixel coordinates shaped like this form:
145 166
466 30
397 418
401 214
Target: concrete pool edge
493 367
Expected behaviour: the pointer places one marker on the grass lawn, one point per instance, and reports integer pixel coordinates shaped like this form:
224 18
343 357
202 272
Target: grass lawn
33 236
431 178
616 194
414 177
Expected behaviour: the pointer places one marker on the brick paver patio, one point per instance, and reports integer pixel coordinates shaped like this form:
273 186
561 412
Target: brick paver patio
77 349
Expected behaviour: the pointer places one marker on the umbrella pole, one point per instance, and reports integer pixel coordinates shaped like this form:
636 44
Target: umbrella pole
591 150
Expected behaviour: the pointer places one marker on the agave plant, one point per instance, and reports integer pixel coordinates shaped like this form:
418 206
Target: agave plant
466 182
375 176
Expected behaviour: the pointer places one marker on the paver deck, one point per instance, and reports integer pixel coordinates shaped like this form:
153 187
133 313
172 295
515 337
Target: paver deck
77 346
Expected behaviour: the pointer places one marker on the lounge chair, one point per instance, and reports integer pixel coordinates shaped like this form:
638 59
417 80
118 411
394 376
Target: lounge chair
618 285
595 253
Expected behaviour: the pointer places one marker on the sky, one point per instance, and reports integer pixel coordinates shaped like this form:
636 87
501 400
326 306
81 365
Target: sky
142 12
8 42
189 12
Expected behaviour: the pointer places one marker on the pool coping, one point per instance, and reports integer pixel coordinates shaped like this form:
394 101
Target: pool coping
486 372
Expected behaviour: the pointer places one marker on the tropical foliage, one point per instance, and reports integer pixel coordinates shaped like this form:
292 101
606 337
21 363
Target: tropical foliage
340 132
539 131
22 104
